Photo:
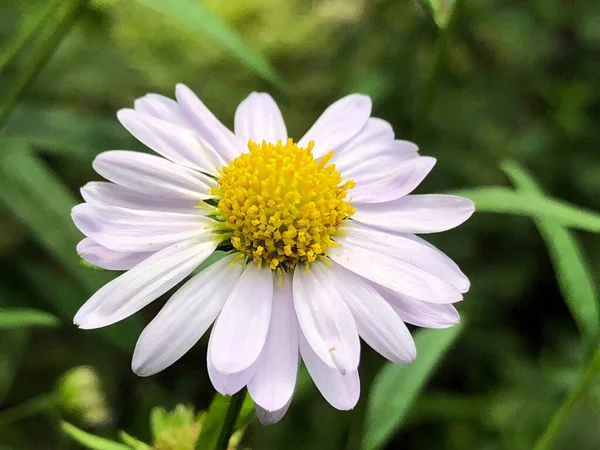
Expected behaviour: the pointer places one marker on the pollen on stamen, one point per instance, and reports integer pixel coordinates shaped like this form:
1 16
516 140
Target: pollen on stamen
281 205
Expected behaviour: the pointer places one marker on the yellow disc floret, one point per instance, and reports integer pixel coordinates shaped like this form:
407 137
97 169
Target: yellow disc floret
280 205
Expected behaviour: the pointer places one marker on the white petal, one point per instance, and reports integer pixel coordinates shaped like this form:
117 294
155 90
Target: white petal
341 391
108 259
217 135
224 383
241 330
405 178
185 318
102 193
148 280
429 213
258 118
179 144
162 108
124 230
372 151
152 175
393 273
376 321
421 314
338 124
277 367
271 417
325 319
409 248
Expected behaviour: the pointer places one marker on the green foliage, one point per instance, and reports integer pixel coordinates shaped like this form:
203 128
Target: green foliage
90 441
11 318
505 201
574 277
395 388
200 19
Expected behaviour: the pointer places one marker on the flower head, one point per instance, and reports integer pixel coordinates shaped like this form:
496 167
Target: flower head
319 235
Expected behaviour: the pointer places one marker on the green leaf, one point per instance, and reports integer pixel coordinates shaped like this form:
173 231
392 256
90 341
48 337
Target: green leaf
68 132
12 350
11 318
506 201
396 387
440 10
574 277
33 194
198 18
89 440
52 33
132 442
216 416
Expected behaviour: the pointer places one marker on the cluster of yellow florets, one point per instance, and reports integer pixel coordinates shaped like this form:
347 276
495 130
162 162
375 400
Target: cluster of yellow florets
280 205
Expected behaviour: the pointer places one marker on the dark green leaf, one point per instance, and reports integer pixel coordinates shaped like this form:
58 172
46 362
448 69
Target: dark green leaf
215 417
572 272
33 193
11 318
396 387
505 201
198 18
441 10
89 440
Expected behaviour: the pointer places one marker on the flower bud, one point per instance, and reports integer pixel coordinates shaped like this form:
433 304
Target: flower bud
80 394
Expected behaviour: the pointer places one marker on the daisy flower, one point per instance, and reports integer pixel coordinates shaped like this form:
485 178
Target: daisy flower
319 234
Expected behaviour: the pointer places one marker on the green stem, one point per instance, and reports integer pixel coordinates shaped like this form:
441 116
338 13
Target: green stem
13 48
548 438
428 98
228 428
32 407
50 40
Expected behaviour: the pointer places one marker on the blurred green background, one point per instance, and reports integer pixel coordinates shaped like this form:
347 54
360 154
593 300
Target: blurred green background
517 80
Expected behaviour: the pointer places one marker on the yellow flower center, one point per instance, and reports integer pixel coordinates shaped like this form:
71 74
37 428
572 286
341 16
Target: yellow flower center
280 205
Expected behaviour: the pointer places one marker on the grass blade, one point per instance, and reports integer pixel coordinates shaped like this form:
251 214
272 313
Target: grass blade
506 201
50 38
12 49
198 18
11 318
30 191
89 440
574 277
396 387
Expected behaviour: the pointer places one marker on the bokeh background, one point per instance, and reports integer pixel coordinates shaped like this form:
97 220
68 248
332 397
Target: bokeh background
517 80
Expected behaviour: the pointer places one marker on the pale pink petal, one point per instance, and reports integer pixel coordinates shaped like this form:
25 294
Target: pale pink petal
271 417
421 314
162 108
258 119
340 390
153 175
240 331
338 124
151 278
227 383
130 230
102 193
402 181
210 129
372 153
409 248
176 143
375 319
430 213
108 259
325 319
185 317
277 367
393 273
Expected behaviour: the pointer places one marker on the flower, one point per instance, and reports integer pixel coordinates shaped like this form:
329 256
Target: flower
320 236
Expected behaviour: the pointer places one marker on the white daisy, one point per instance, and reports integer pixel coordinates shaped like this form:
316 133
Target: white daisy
320 234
